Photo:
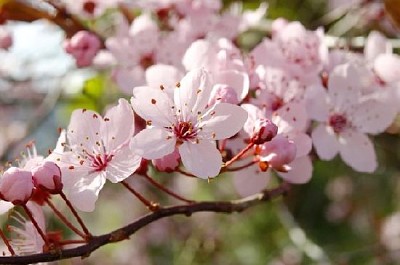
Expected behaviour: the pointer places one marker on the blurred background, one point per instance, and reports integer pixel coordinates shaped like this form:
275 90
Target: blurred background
339 217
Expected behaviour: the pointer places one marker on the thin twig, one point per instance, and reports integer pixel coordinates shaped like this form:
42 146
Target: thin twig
152 206
125 232
75 213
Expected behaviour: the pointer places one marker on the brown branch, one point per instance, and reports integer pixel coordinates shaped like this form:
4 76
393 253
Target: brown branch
125 232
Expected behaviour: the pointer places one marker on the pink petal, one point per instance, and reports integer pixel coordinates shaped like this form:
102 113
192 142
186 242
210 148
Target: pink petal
357 150
193 93
302 141
301 171
325 143
199 54
153 105
201 159
112 133
294 114
316 101
153 143
254 114
250 180
387 67
84 129
344 86
374 116
223 121
123 164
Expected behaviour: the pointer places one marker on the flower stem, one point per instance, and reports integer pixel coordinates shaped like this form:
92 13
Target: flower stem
36 225
152 206
5 240
239 167
185 173
64 220
166 190
240 154
75 213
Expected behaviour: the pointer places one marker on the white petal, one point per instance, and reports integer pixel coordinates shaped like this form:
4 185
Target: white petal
223 121
153 143
83 129
153 105
162 74
325 142
83 194
193 93
387 67
250 180
112 133
357 150
202 160
253 113
123 164
301 171
376 44
199 54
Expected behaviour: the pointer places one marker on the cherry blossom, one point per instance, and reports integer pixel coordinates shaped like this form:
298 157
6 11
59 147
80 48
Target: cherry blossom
345 116
97 149
83 46
16 185
185 123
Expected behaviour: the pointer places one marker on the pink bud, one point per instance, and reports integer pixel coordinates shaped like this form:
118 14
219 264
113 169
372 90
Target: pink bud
264 131
167 163
5 38
279 152
83 46
223 94
16 186
47 176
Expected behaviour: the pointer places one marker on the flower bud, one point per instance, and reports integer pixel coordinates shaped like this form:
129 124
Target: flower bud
5 38
83 46
167 163
264 131
278 153
223 94
16 185
47 176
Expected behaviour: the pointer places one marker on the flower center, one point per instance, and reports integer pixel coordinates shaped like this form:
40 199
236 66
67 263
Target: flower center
338 122
184 131
99 162
89 7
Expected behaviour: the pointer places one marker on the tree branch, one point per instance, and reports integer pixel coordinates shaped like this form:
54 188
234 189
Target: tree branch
125 232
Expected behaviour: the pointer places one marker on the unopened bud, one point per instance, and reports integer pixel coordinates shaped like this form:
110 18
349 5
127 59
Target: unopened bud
167 163
264 131
83 46
223 94
279 153
16 186
5 38
47 176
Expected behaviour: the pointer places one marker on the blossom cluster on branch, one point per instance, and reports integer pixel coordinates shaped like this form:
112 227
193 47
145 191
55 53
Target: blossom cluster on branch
196 104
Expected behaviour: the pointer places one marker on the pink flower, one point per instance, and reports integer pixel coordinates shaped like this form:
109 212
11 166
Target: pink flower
47 176
279 153
83 46
264 130
97 150
168 163
16 185
185 123
345 116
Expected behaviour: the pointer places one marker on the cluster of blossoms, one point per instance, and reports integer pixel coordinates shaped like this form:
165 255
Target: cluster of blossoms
201 106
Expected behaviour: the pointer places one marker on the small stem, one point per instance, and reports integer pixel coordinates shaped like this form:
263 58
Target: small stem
240 154
5 240
72 241
239 167
64 220
75 213
185 173
40 231
166 190
152 206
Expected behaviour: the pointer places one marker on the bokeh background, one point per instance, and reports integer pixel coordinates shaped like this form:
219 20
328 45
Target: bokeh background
339 217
